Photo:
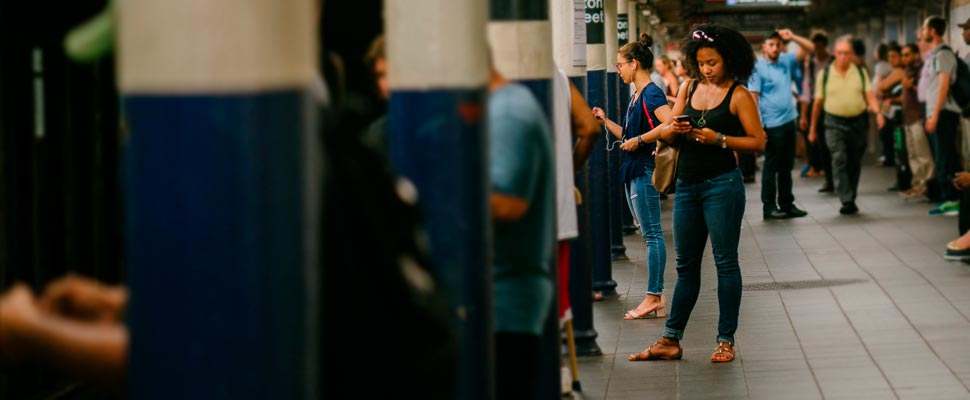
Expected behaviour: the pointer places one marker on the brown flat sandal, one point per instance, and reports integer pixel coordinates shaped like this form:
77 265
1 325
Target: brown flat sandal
723 353
651 356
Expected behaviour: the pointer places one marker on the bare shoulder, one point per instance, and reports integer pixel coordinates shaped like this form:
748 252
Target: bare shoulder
741 97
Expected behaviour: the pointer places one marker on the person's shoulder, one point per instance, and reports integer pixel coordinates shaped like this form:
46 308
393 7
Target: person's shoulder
514 98
515 102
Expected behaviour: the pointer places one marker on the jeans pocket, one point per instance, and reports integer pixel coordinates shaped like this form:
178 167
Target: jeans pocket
723 178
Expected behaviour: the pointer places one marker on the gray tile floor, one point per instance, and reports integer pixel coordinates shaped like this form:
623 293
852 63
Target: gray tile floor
902 331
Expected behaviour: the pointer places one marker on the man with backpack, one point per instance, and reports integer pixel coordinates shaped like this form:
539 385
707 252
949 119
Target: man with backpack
845 96
942 112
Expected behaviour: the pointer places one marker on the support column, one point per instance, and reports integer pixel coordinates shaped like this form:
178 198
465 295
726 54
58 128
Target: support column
623 37
569 49
217 231
598 196
615 113
438 75
520 37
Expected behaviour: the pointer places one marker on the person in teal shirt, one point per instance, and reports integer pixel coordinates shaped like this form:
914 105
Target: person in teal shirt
522 203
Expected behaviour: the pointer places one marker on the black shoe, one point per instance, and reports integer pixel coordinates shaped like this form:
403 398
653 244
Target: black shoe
795 212
826 189
848 208
776 214
748 179
893 188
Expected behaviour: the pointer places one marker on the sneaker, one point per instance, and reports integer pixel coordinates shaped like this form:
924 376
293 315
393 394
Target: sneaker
848 208
946 208
805 170
956 254
795 212
775 214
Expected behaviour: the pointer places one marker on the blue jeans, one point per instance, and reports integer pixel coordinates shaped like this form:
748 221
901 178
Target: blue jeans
713 207
644 202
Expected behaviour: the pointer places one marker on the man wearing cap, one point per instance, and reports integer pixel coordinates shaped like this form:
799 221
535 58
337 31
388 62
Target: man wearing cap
771 86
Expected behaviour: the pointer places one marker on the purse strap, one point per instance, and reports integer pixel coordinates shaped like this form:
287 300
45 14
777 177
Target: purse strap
644 104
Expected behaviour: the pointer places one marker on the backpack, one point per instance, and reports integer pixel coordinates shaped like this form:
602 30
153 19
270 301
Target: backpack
960 88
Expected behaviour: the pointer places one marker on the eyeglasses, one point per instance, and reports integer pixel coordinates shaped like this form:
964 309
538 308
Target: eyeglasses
701 35
622 63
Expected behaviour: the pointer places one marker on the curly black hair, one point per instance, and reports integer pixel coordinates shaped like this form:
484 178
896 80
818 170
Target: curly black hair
729 43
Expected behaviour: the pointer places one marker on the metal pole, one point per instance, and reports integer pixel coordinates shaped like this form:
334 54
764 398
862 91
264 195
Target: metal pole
438 74
520 36
216 225
615 113
598 201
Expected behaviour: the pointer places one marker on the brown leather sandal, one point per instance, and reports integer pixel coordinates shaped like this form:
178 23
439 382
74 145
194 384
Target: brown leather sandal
649 355
724 352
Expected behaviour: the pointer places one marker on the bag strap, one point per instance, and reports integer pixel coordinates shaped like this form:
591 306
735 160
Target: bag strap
644 104
825 80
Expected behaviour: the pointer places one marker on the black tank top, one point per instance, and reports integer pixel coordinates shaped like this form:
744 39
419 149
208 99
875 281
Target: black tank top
698 161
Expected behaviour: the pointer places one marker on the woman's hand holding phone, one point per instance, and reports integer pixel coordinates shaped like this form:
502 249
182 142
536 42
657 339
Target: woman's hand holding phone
682 124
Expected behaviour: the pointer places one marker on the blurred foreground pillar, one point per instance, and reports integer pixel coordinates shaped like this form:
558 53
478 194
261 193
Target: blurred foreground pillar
438 75
219 262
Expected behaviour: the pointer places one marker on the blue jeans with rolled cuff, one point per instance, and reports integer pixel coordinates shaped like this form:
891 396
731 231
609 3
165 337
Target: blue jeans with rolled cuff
644 202
715 208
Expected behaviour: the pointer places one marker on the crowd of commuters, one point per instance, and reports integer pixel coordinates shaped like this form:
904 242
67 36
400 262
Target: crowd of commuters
718 104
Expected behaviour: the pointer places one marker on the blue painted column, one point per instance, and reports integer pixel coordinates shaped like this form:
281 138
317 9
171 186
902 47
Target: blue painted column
219 238
569 47
623 37
598 198
438 75
520 36
614 112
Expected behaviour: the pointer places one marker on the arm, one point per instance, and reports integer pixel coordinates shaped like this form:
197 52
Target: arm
742 105
670 129
874 108
584 125
88 350
816 113
664 114
894 77
807 47
507 208
934 116
611 126
80 298
804 110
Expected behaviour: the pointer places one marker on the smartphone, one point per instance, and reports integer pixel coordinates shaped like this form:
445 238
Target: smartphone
684 118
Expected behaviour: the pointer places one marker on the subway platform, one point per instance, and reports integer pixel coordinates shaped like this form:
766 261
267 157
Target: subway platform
834 307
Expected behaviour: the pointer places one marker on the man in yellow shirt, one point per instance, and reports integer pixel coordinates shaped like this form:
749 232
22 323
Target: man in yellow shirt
845 96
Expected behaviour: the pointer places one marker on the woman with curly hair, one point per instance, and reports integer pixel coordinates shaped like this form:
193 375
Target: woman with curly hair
719 119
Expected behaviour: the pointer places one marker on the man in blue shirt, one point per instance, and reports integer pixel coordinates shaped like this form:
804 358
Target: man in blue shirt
771 86
521 170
